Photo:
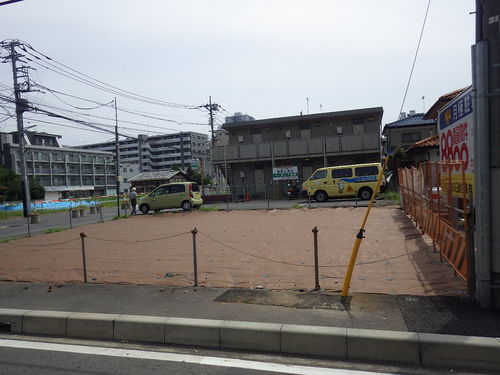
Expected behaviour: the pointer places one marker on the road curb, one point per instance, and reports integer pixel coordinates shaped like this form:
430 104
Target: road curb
345 344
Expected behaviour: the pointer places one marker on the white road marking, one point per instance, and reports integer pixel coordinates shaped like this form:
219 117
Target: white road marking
187 358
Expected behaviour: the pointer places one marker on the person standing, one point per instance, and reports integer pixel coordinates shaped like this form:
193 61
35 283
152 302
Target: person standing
133 201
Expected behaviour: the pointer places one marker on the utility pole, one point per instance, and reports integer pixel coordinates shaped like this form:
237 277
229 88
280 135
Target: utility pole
486 94
202 169
117 156
212 107
21 105
211 119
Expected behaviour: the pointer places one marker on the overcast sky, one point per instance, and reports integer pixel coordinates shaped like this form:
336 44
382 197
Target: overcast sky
261 57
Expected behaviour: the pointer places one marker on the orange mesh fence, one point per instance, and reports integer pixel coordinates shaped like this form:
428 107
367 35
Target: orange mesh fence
436 196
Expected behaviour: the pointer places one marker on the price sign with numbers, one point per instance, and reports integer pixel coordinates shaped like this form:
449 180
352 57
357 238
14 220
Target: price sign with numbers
456 143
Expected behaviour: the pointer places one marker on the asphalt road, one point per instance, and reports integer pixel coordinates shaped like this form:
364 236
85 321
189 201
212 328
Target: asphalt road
18 227
40 356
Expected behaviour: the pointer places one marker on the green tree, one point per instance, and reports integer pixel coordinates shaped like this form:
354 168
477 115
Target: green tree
10 186
37 191
194 176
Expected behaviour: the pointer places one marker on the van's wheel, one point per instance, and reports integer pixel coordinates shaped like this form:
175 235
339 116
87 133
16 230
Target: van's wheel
320 196
186 205
144 209
365 193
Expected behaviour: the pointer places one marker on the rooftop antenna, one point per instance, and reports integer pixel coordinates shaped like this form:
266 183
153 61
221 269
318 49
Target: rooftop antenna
307 101
321 107
423 104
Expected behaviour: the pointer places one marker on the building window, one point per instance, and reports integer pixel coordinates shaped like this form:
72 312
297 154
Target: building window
410 137
358 129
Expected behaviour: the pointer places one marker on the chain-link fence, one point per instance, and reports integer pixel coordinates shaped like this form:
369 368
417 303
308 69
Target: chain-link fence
238 193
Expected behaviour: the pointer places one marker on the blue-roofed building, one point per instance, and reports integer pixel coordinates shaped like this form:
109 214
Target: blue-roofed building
408 129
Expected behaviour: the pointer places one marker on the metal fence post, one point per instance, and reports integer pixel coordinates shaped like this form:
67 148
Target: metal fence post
471 261
100 213
267 197
195 262
84 257
316 266
309 197
29 225
70 219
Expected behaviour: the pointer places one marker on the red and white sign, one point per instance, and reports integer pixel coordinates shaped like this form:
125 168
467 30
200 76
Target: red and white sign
456 143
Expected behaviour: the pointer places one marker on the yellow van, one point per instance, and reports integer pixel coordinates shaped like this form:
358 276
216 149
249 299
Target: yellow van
343 181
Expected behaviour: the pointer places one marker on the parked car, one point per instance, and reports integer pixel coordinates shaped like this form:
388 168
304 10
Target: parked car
185 195
343 181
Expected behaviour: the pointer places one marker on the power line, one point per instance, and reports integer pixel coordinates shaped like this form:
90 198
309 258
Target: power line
415 58
100 84
225 110
67 126
104 118
135 111
92 125
129 111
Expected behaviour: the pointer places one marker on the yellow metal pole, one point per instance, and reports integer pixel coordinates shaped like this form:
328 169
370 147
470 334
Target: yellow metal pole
360 235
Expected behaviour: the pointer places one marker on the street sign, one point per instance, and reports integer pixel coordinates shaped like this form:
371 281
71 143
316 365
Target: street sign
286 173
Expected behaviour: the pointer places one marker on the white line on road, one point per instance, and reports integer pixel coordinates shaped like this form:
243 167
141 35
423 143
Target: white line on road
187 358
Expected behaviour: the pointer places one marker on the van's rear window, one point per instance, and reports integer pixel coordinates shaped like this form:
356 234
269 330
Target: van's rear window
195 187
367 171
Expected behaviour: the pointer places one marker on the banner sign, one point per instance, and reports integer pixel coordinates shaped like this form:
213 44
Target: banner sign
286 173
455 124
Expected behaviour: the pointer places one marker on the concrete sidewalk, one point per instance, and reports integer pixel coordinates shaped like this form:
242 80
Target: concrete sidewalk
373 328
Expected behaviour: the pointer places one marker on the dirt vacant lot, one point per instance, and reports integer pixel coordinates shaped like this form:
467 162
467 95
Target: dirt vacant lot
269 249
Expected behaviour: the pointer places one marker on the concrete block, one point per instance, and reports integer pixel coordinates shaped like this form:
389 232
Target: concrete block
251 336
383 346
314 340
12 320
40 322
478 353
91 325
199 332
140 328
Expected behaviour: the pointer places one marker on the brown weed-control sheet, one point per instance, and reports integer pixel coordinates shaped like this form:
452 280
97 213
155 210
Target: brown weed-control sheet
260 249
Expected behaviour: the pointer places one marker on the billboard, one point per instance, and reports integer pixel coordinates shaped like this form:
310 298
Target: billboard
456 143
286 173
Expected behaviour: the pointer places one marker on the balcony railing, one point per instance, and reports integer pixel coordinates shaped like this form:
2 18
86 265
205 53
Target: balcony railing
294 148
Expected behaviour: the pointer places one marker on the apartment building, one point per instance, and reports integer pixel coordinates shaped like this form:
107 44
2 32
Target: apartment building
160 152
64 172
305 142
